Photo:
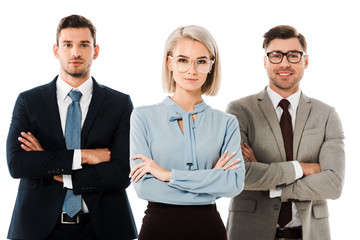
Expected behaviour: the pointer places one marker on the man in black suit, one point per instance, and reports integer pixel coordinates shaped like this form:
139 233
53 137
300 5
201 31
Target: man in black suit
37 150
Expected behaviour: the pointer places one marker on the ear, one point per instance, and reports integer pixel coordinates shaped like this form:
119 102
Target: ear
306 61
96 51
56 50
169 64
265 61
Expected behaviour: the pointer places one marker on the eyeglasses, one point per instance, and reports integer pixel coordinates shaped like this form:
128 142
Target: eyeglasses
182 64
292 56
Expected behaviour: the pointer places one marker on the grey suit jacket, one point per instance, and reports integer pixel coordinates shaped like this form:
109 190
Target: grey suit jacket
318 138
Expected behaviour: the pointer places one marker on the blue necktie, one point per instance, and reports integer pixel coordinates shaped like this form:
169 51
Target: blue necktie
72 203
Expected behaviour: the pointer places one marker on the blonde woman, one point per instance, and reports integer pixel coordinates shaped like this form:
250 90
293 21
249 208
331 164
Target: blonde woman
185 154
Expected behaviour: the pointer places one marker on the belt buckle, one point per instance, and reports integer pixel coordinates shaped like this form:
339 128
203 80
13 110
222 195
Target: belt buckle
280 233
66 222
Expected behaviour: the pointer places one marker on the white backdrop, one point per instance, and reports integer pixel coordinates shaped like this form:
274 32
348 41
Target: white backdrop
132 34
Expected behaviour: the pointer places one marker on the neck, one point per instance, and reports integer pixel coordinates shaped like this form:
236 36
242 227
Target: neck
74 81
187 100
284 93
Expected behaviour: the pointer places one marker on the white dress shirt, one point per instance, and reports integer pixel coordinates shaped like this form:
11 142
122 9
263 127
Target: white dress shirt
294 102
64 100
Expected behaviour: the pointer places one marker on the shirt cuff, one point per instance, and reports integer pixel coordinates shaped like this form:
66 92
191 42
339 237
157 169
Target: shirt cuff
67 181
298 170
76 165
275 193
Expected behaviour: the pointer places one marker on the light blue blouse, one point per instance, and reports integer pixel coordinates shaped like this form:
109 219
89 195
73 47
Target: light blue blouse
155 132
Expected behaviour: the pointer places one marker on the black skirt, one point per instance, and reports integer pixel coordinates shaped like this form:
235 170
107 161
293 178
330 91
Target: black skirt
182 222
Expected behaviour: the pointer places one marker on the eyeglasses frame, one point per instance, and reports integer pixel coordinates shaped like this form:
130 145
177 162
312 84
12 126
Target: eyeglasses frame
194 61
286 54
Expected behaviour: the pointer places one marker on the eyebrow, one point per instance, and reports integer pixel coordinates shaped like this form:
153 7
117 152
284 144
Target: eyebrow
294 50
68 41
188 57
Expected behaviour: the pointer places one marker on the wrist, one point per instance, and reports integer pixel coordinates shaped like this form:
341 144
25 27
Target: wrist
84 155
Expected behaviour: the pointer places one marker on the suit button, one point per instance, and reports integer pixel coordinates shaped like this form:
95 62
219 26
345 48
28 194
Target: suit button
276 207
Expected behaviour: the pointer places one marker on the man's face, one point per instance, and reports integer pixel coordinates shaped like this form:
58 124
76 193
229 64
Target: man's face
76 52
284 77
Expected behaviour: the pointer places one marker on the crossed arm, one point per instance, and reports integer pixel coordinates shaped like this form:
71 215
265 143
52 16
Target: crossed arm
150 166
307 168
88 156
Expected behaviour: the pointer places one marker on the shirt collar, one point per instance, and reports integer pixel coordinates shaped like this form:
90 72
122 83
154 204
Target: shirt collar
180 111
63 88
276 98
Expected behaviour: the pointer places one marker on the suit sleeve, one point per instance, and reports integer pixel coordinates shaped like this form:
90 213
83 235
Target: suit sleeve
34 164
260 176
115 173
328 183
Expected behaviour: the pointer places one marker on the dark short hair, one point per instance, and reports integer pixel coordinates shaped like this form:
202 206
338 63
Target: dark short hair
283 32
75 21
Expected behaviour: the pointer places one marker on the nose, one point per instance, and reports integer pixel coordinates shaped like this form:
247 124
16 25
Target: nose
192 68
285 62
76 52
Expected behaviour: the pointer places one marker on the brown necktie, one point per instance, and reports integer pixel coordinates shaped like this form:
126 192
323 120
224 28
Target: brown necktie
287 133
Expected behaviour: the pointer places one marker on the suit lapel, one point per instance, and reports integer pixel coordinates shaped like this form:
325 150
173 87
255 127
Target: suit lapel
302 115
268 110
51 109
94 107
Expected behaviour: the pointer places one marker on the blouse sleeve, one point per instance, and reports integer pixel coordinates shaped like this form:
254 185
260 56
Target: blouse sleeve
217 182
149 187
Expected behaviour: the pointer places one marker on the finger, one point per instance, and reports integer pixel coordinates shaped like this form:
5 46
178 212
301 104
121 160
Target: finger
245 149
221 159
140 175
230 164
135 168
27 143
139 156
32 140
230 156
235 167
23 146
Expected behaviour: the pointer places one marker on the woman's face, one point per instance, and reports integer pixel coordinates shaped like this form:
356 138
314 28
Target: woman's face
189 52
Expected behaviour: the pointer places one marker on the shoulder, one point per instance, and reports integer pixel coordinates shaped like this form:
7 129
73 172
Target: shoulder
244 101
150 112
221 117
110 91
40 89
245 105
317 105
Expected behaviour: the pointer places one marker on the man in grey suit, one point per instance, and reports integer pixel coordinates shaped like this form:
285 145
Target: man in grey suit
287 181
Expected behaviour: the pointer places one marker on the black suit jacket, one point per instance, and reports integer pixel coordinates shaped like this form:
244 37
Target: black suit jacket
40 197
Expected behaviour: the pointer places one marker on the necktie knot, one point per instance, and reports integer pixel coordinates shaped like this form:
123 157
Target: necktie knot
284 104
75 95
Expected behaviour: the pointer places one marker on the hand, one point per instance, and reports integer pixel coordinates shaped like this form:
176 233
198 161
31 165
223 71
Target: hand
148 166
310 168
29 142
248 153
58 178
95 156
223 162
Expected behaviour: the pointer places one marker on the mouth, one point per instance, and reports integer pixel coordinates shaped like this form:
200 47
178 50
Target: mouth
284 74
76 63
191 79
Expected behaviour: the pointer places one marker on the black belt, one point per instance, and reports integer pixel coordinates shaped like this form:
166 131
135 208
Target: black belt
295 232
78 218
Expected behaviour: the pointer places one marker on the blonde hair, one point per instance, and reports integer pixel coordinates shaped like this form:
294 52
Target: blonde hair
200 34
